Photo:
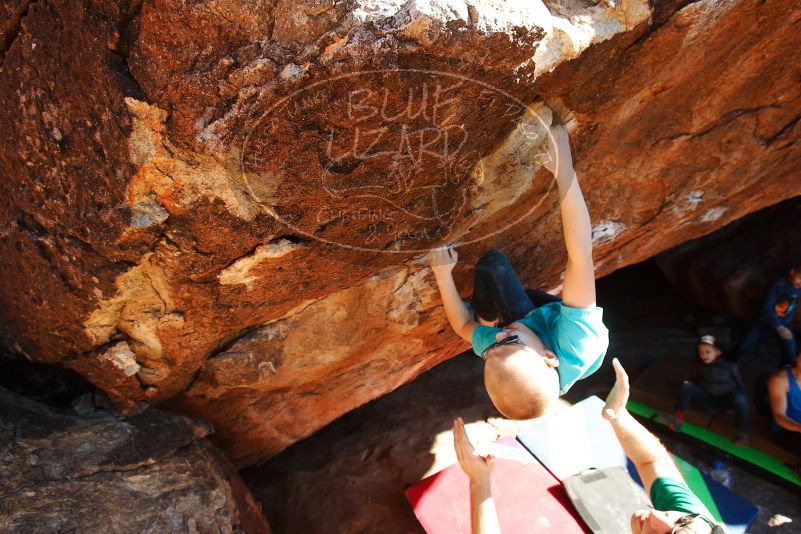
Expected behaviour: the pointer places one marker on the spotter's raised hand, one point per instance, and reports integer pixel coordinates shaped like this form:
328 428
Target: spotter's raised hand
476 467
619 394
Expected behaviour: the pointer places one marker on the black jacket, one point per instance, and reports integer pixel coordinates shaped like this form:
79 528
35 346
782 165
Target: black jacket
720 377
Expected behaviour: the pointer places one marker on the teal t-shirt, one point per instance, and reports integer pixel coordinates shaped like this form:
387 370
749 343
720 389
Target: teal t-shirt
668 493
577 336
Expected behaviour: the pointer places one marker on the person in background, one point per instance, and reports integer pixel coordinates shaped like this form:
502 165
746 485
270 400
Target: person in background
776 318
784 388
717 386
676 509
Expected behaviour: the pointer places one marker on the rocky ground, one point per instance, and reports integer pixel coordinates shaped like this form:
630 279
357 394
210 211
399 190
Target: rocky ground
154 472
350 476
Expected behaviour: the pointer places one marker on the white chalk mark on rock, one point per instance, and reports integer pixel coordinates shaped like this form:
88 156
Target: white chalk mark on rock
239 272
606 231
695 197
712 215
148 212
122 357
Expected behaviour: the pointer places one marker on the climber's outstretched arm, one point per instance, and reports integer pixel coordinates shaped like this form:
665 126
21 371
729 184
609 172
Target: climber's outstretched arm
647 454
578 289
443 259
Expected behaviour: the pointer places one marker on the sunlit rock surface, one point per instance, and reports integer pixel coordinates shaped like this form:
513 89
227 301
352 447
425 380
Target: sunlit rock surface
222 205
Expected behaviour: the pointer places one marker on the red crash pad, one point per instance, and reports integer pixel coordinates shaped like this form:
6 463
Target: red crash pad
528 499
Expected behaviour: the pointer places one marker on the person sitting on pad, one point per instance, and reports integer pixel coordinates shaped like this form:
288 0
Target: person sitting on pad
544 345
676 508
717 386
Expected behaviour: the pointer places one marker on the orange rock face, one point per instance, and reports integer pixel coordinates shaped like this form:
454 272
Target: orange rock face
224 206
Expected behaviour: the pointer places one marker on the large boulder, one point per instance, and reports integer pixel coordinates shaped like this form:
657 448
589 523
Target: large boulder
223 205
153 472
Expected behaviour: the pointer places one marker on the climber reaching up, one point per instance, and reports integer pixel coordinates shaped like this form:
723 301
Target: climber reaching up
535 346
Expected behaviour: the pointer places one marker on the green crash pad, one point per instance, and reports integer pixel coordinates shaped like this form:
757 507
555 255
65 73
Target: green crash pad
753 456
